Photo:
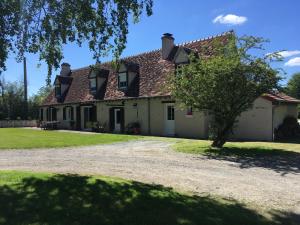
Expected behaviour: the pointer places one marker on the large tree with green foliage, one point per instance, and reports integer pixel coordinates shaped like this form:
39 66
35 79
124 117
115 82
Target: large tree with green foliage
293 86
226 83
44 26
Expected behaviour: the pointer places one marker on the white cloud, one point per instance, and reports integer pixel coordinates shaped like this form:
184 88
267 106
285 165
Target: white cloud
293 62
285 54
230 19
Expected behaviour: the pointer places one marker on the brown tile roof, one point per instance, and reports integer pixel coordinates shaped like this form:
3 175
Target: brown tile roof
153 72
280 97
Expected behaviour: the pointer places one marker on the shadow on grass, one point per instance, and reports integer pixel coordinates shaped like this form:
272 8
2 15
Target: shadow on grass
279 160
70 199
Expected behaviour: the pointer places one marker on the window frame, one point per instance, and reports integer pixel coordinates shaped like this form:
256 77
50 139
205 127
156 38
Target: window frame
189 112
68 113
94 89
170 112
41 114
124 73
58 87
50 112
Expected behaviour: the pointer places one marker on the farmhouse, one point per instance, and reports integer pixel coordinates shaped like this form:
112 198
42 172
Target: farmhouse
135 94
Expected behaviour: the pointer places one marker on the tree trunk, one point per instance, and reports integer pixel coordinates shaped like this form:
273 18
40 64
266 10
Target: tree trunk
218 142
222 136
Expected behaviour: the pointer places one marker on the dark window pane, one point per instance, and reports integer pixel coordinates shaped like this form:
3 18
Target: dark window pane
170 112
42 114
57 90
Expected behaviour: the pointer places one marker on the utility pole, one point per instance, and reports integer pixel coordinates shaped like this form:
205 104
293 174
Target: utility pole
25 90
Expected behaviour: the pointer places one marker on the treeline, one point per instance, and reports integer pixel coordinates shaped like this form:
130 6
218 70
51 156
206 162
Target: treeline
12 104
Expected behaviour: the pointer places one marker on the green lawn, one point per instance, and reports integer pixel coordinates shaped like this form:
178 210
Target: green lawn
282 158
18 138
203 147
27 198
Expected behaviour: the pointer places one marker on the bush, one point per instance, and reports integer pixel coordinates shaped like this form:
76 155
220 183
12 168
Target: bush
290 128
133 128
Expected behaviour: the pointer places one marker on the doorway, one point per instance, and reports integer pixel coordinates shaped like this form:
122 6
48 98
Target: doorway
169 119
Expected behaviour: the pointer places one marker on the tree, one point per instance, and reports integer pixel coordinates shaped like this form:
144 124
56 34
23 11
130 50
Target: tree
44 26
226 83
293 86
36 100
12 101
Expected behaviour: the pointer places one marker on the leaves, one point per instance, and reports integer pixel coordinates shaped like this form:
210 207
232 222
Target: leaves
293 86
44 26
226 83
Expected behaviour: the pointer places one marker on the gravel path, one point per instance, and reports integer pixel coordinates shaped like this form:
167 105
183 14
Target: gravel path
154 162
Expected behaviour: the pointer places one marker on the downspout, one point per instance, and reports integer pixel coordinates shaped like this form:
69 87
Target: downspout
149 119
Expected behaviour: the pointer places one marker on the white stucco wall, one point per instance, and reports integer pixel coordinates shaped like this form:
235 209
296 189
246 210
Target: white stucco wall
191 126
256 123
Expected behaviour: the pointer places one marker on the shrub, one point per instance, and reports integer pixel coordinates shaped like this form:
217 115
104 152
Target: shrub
290 128
133 128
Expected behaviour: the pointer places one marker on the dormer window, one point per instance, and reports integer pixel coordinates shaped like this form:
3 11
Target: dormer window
57 90
93 85
122 80
93 81
126 74
97 78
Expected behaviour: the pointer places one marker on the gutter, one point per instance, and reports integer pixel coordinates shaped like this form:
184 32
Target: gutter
106 100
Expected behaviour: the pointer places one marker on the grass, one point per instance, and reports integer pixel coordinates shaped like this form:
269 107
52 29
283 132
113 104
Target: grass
280 157
203 146
18 138
29 198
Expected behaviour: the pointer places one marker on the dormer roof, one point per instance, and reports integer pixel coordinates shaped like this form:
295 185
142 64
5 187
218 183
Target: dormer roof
152 69
63 79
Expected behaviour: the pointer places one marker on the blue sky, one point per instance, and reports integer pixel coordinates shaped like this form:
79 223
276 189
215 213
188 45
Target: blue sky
188 20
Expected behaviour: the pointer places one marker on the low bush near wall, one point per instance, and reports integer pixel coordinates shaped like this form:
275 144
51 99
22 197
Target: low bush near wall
290 128
18 123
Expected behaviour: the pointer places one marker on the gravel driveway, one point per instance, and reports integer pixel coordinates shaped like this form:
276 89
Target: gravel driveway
154 162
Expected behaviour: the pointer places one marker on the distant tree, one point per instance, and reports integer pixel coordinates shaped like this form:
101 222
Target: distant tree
12 101
225 84
36 100
43 27
42 93
293 86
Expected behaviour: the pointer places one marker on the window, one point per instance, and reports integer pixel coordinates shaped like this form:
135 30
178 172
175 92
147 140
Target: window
68 113
93 85
170 112
57 90
51 114
123 80
41 114
189 112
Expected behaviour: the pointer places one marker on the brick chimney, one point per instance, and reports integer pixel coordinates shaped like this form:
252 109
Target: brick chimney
167 45
65 69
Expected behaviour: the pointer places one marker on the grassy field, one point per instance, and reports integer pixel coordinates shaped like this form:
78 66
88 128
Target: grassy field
17 138
203 147
27 198
280 157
